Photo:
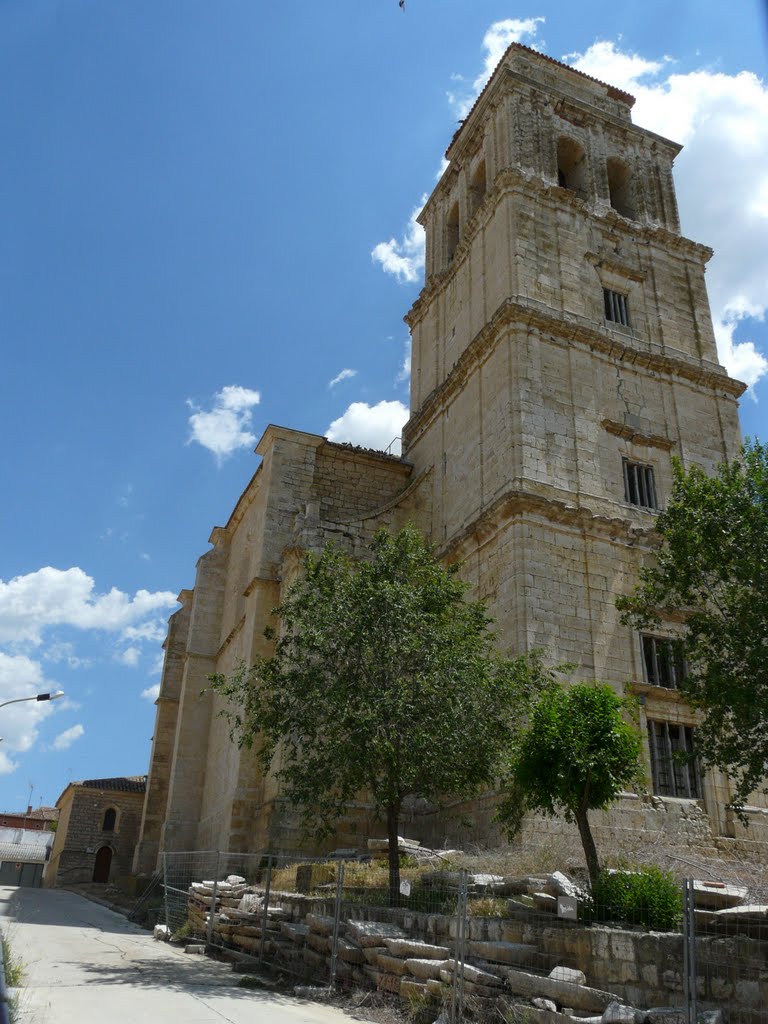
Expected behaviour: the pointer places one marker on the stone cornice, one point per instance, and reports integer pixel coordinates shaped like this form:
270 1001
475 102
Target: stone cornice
614 266
566 333
513 179
637 436
517 502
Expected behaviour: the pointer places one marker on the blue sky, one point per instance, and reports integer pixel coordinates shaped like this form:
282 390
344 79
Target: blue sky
205 227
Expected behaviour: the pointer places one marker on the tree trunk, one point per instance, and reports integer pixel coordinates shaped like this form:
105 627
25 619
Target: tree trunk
590 850
393 820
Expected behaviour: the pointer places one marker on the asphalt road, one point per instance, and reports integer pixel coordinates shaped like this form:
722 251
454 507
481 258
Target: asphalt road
85 964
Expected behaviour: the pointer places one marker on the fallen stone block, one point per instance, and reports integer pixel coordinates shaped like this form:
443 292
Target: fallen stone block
485 882
235 880
412 989
543 901
195 948
162 932
718 895
617 1013
425 969
558 884
250 903
543 1004
320 943
391 964
319 923
373 933
513 953
565 993
437 988
372 953
295 932
748 912
568 974
349 952
475 974
413 948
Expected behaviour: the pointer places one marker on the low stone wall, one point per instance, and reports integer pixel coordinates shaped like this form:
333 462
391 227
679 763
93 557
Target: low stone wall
644 969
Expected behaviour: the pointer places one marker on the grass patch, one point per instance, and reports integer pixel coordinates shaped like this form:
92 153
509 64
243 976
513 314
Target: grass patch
645 896
14 969
487 906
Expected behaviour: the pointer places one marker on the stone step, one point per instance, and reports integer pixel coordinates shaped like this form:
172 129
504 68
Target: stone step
580 997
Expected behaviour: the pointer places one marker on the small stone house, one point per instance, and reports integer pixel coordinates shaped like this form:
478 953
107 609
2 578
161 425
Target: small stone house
98 830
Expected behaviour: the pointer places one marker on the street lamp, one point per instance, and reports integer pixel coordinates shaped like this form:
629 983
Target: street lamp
40 696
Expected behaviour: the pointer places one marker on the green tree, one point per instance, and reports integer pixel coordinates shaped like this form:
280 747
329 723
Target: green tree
712 569
383 681
577 754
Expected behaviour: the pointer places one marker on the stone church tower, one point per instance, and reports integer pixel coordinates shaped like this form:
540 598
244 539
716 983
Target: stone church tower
563 351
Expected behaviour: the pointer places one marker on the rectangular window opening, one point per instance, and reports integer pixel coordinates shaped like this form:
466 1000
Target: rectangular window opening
639 485
664 662
672 775
616 307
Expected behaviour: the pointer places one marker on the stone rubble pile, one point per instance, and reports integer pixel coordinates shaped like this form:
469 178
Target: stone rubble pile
381 955
379 848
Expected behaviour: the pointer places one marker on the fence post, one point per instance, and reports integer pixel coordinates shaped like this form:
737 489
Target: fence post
266 908
336 920
165 893
214 898
457 991
689 951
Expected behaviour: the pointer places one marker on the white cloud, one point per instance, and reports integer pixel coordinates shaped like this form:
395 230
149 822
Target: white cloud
404 259
342 375
496 40
151 692
65 739
21 677
64 652
371 426
404 374
130 656
722 178
65 597
225 427
153 631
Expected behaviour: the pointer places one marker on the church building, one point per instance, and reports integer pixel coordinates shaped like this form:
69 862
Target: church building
562 353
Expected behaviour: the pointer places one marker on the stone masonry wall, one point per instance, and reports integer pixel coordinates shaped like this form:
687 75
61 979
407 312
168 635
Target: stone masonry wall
81 835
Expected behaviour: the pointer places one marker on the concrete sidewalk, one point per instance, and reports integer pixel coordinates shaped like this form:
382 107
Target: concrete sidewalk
86 964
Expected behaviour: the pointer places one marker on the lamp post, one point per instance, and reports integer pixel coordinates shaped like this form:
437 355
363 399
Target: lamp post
38 697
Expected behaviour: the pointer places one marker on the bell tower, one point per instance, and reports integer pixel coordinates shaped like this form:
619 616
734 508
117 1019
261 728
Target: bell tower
562 352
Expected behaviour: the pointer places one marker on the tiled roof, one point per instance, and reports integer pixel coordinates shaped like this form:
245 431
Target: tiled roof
123 784
23 853
42 813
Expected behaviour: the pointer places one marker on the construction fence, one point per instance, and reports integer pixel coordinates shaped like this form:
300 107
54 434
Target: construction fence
481 947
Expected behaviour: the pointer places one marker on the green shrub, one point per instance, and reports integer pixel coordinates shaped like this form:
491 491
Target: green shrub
646 896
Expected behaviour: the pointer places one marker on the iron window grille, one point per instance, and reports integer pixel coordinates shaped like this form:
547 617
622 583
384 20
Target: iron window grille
674 771
664 662
616 307
639 485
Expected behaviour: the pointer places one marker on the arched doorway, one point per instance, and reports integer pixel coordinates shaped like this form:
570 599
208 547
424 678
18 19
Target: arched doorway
103 864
